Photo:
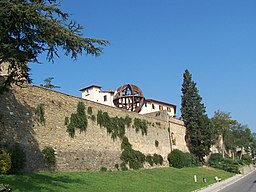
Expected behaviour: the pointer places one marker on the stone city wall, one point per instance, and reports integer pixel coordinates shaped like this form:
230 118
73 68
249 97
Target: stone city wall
88 150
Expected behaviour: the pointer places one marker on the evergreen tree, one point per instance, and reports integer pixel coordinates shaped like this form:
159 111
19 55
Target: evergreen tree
199 131
48 83
30 27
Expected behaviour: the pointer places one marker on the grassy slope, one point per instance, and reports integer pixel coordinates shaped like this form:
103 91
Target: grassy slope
163 179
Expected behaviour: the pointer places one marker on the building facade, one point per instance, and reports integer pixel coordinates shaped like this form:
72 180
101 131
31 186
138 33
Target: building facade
94 93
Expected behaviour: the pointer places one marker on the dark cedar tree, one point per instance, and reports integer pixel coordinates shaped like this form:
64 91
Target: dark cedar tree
29 28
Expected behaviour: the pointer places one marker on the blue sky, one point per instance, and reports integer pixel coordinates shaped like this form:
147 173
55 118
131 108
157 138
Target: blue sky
154 41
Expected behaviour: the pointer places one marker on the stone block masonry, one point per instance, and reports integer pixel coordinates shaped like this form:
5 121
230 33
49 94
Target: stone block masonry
87 151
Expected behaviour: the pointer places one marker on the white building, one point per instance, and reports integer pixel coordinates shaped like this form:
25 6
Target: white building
151 105
94 93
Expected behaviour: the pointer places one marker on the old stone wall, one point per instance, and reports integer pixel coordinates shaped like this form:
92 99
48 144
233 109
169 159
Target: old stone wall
88 150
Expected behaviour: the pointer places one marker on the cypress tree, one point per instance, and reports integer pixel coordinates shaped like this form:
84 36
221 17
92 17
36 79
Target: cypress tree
199 134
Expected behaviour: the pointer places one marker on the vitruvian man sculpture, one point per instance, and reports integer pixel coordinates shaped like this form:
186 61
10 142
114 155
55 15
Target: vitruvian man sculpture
129 97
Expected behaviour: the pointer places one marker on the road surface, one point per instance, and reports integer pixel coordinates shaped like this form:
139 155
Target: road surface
246 184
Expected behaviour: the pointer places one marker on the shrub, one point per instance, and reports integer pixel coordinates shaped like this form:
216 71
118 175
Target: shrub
134 158
190 160
123 166
117 166
104 169
18 158
176 159
215 158
49 155
179 159
150 160
226 164
5 188
247 159
158 159
5 161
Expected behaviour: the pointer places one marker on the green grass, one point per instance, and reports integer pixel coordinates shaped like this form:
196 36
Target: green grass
163 179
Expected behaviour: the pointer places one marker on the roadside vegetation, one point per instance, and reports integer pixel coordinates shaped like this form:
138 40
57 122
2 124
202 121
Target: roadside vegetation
161 179
216 160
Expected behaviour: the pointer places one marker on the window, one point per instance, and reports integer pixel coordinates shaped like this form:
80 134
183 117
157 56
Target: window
146 104
105 97
168 109
160 107
153 106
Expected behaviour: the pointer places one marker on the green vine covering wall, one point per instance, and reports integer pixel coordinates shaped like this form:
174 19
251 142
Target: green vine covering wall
89 110
49 155
141 125
77 120
40 113
136 159
133 158
115 125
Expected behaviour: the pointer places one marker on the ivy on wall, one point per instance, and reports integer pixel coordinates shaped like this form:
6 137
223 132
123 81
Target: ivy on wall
90 114
141 125
115 126
89 110
77 120
49 155
40 113
135 159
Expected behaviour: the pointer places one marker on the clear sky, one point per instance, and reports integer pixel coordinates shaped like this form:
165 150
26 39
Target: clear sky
154 41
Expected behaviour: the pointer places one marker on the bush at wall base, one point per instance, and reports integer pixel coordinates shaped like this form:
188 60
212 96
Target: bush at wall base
5 188
5 161
49 155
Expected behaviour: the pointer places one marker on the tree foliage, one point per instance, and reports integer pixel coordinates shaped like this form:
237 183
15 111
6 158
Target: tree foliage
253 145
199 131
29 28
48 83
221 122
237 136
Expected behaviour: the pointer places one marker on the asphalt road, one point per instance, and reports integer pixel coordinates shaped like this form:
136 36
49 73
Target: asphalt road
246 184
